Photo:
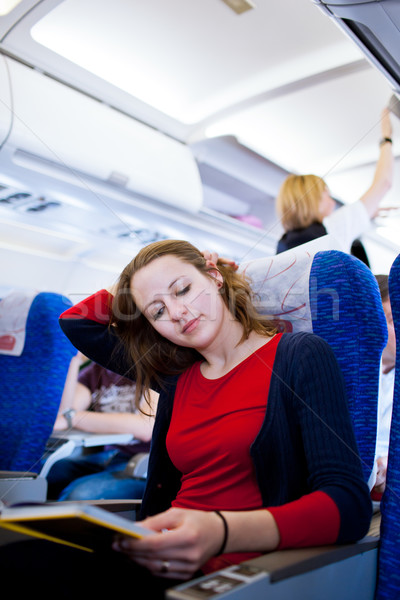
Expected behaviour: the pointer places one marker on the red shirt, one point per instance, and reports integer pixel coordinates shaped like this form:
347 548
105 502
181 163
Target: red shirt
214 422
210 436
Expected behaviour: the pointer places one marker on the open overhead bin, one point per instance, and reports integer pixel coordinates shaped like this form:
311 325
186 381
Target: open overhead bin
375 27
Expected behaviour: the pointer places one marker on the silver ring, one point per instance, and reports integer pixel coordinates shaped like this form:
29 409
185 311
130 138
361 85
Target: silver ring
164 566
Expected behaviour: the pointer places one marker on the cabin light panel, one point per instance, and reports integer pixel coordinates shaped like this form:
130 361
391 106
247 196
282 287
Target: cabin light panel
6 6
239 6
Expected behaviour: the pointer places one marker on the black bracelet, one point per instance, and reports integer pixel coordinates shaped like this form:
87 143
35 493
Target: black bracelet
226 531
385 140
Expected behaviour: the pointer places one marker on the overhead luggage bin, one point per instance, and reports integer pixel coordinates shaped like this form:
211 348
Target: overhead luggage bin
375 26
59 125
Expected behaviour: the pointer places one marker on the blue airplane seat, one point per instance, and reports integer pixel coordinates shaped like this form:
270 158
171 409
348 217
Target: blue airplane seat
389 556
345 299
336 296
32 381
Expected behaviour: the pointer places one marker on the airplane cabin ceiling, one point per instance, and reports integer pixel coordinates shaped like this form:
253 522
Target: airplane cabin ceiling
281 80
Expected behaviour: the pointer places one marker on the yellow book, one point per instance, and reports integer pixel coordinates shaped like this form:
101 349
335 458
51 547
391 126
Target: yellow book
84 526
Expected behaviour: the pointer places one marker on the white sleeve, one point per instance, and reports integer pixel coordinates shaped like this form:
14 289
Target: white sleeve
385 405
347 223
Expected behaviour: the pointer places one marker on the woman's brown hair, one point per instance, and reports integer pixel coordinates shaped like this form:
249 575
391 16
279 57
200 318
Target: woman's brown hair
152 355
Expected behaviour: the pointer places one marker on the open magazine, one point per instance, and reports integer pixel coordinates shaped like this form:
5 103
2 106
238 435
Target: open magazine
84 526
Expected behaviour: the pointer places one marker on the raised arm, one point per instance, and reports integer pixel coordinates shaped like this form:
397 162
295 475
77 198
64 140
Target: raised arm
383 177
140 425
87 326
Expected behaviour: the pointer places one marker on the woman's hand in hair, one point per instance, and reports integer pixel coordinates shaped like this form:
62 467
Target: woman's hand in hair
213 257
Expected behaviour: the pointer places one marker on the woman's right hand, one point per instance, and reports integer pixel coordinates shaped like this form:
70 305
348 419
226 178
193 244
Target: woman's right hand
189 538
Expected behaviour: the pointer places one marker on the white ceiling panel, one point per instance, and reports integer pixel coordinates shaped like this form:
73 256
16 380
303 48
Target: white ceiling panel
281 81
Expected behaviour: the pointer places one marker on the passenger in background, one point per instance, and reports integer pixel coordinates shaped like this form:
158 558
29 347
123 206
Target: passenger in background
253 447
386 388
100 401
307 210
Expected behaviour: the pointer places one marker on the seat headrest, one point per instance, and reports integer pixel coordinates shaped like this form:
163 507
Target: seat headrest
281 285
14 310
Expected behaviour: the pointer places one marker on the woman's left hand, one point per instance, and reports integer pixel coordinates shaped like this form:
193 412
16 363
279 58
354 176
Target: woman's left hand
186 540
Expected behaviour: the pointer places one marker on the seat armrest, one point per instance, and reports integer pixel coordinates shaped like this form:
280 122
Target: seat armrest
56 449
136 466
302 574
22 486
298 573
17 475
287 563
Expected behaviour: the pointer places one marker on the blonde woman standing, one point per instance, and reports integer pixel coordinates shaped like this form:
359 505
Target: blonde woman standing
307 210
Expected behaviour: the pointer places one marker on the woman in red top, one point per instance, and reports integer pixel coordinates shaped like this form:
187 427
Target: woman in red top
252 447
179 314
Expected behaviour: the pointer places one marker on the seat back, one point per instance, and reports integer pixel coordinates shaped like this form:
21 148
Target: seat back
32 382
389 556
347 312
336 296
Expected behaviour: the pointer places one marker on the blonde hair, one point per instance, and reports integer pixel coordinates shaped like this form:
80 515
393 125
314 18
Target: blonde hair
298 201
151 353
